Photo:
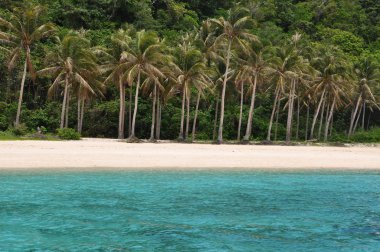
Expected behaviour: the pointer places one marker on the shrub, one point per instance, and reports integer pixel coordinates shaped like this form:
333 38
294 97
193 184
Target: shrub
339 138
68 134
43 130
20 130
371 136
3 123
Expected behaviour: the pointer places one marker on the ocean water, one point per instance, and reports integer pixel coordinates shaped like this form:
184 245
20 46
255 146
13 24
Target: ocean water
189 211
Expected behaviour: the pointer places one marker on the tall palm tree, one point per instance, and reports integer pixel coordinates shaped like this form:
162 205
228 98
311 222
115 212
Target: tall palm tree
240 81
121 41
232 33
254 69
144 58
283 69
368 76
83 94
330 85
190 72
153 87
21 31
298 73
72 64
205 41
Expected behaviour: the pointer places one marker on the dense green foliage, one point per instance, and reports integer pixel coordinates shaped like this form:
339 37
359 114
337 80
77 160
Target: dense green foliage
311 54
68 134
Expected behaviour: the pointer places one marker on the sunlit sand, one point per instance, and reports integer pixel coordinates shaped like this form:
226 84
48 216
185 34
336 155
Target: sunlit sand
111 154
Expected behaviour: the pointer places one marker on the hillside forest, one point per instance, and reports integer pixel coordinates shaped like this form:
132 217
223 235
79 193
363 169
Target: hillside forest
263 70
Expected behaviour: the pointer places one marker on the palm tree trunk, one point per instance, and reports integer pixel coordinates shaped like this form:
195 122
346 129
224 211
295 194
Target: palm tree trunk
216 117
78 111
329 119
290 112
353 117
130 110
153 113
248 130
196 116
298 118
81 116
159 122
181 135
327 115
273 114
133 135
307 122
187 114
67 110
316 114
321 119
241 110
331 125
64 102
221 121
21 93
363 118
158 116
357 119
277 117
121 109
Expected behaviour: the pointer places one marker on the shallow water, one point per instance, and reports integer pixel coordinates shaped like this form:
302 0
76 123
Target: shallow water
189 211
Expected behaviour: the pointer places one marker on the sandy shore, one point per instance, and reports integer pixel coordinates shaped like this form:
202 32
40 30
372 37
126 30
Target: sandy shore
110 154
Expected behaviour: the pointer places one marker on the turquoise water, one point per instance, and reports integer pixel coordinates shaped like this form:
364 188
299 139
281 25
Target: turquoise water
189 211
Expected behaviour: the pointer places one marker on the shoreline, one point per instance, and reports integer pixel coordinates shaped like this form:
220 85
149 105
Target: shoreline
112 155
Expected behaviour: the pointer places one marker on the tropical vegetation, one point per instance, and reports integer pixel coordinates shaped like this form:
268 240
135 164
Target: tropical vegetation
277 70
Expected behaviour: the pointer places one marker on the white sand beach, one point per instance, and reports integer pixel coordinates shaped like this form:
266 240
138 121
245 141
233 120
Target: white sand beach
99 154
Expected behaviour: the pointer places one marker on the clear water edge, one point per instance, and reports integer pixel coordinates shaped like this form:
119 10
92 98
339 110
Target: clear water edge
190 211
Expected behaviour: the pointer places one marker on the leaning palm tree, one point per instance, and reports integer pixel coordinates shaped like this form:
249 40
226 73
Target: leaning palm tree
84 94
329 86
368 76
298 74
21 31
233 33
190 72
205 41
240 80
153 87
144 58
254 70
282 69
71 63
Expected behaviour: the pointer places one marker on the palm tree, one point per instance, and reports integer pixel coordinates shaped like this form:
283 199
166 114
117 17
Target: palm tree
121 41
368 76
154 86
329 87
233 33
240 80
282 69
23 29
144 58
83 94
73 65
205 41
298 73
190 71
254 70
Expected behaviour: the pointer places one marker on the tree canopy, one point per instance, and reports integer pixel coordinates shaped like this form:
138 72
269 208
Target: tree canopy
266 67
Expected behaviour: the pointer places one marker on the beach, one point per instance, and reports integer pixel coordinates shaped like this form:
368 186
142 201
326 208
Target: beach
106 154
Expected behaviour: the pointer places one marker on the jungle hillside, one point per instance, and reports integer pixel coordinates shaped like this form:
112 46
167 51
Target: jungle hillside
255 70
